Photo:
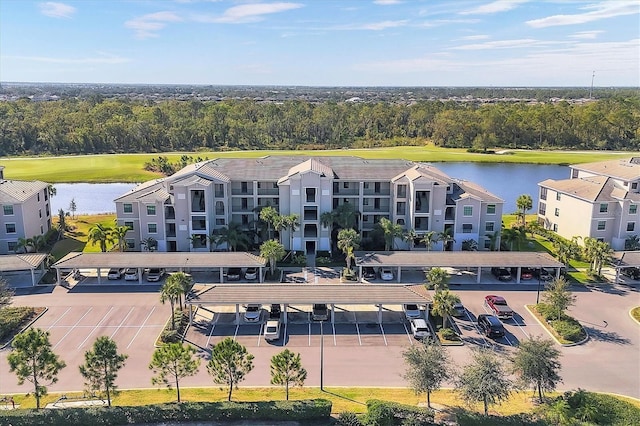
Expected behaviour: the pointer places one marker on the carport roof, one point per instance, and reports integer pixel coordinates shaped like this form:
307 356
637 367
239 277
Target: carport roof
21 262
343 294
457 259
159 260
626 258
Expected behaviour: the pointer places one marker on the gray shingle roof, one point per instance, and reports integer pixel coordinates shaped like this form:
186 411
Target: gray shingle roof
21 262
624 169
456 259
590 189
159 260
17 191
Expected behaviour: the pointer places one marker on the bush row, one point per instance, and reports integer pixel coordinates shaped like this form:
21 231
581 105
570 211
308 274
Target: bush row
11 318
384 413
188 411
566 326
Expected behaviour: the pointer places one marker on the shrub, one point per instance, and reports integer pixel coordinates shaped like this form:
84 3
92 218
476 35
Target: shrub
323 261
12 318
545 311
349 274
569 329
448 334
383 413
348 418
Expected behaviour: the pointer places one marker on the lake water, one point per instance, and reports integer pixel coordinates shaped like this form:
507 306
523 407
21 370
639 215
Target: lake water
507 181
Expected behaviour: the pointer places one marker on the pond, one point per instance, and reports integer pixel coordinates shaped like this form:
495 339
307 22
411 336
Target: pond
507 181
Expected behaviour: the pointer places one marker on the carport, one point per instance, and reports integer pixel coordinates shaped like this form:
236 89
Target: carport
308 294
24 262
625 259
168 260
456 259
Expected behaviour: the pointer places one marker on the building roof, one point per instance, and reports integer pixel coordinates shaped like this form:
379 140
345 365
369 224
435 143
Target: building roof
342 294
627 169
75 260
456 259
593 188
21 262
18 191
474 190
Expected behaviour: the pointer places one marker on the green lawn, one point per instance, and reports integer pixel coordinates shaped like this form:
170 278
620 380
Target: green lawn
129 167
78 233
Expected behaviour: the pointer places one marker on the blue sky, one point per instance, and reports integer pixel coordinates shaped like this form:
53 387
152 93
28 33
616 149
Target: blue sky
322 42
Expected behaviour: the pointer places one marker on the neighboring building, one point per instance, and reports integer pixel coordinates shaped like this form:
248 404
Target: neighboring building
600 200
182 210
26 211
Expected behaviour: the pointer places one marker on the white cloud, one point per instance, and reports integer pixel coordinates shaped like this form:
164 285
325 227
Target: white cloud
56 10
387 2
148 25
603 10
586 35
493 7
502 44
475 37
252 12
103 58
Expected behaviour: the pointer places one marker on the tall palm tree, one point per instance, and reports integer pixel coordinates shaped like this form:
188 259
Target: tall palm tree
233 236
327 220
524 203
443 305
391 231
429 239
171 291
494 240
346 216
149 244
102 235
120 234
446 237
269 215
410 237
179 285
348 242
291 223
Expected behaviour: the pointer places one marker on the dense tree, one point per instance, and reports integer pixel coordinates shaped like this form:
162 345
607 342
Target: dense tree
229 364
101 366
427 367
484 380
470 245
558 296
149 244
273 251
437 279
33 359
348 242
287 370
172 362
536 363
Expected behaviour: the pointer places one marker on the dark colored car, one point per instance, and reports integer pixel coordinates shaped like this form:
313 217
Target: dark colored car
369 273
542 274
633 273
275 312
233 274
320 312
501 274
490 326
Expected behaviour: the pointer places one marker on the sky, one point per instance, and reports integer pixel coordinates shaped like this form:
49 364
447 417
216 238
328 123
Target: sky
503 43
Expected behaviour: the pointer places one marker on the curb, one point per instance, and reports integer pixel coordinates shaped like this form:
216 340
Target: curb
25 327
555 339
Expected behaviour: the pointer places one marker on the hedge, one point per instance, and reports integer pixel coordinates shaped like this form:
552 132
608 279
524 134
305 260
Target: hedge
11 318
384 413
180 412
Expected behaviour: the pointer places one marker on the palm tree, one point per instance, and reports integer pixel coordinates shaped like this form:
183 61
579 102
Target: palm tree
348 242
291 222
410 237
327 220
179 285
429 239
25 244
269 215
273 251
494 240
102 235
446 237
233 236
597 253
171 291
470 245
443 305
120 234
62 224
391 232
511 236
149 244
524 203
346 216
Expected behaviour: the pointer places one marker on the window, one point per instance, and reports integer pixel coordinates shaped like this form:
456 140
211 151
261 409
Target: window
244 203
557 212
602 225
574 173
311 195
489 226
8 210
376 203
219 190
40 213
365 202
244 188
400 222
633 209
376 187
127 208
311 213
197 200
543 193
152 228
131 243
129 225
557 196
402 191
467 211
487 244
555 227
542 209
220 222
401 208
345 185
634 185
12 245
604 207
631 226
491 209
46 194
10 227
199 223
467 228
366 185
151 210
38 197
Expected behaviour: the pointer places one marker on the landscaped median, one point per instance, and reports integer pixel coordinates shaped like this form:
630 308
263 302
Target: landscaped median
15 319
565 330
635 314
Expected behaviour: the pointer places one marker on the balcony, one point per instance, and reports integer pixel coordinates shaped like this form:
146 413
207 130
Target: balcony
450 213
169 213
242 205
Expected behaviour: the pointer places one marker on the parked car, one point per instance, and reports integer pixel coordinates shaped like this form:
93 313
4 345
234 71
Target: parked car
490 326
459 310
250 274
526 273
320 312
275 313
252 313
272 330
369 273
115 273
542 274
420 329
131 274
498 306
155 274
233 274
633 273
501 274
411 311
386 274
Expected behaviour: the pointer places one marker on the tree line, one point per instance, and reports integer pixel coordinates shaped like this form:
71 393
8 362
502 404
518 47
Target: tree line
95 125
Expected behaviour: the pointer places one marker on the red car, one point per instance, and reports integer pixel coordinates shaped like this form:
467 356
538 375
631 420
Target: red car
526 274
498 306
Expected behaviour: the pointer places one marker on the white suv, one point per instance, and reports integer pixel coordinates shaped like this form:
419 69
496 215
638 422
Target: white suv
420 329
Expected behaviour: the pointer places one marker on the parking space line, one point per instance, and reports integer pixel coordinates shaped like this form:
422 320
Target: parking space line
383 335
260 334
475 325
357 327
59 318
72 327
309 334
521 328
404 324
122 322
284 334
96 327
507 339
141 327
213 326
235 334
333 326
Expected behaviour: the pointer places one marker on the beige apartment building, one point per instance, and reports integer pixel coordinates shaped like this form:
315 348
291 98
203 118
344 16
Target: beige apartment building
181 211
26 211
599 200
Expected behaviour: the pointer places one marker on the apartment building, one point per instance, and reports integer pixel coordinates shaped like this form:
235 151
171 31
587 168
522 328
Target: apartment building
26 211
181 211
599 200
